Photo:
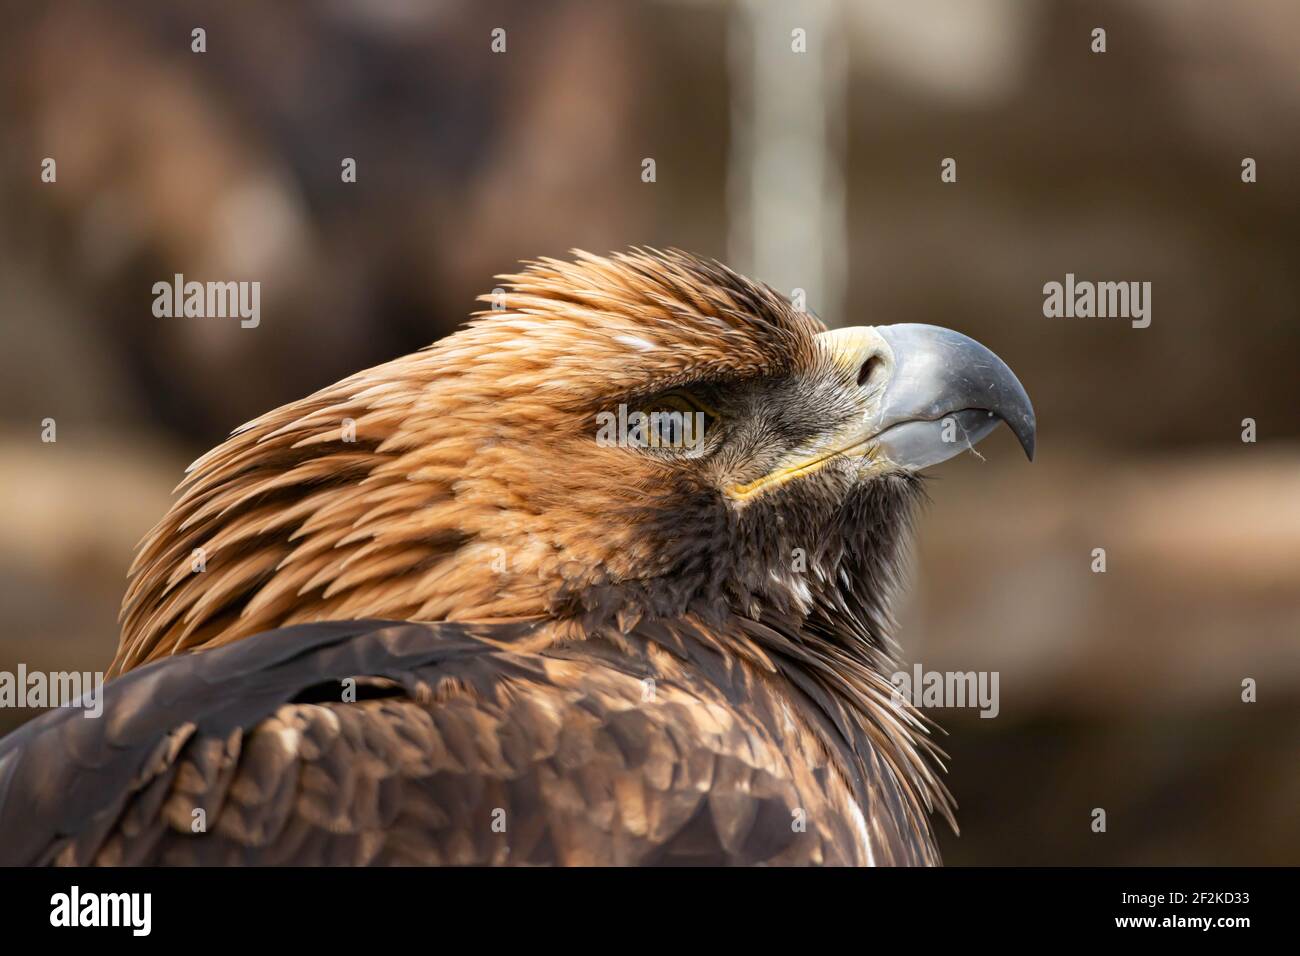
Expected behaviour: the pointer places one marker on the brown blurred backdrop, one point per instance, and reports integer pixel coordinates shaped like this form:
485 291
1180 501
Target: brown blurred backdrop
819 170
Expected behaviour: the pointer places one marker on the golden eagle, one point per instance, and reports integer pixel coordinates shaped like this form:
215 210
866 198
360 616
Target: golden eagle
602 578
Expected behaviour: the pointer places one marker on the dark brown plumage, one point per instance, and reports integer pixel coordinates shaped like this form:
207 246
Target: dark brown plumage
624 655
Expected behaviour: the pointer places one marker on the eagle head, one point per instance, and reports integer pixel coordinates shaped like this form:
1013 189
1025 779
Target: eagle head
612 439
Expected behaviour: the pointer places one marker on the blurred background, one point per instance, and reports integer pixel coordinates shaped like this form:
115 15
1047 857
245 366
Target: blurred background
817 170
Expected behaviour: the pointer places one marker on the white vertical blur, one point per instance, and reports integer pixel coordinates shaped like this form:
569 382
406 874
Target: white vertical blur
785 180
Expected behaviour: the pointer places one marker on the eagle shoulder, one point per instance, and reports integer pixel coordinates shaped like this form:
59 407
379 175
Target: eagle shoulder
446 747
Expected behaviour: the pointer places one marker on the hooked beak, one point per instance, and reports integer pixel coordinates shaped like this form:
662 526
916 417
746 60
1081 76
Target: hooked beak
929 394
939 392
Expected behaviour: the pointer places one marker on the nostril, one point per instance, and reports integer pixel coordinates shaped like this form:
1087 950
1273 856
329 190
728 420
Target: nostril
869 366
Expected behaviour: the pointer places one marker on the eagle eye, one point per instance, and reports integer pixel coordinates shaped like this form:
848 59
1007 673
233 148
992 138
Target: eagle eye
676 421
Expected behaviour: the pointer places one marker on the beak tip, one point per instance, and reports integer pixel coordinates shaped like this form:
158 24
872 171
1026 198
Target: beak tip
938 370
1028 436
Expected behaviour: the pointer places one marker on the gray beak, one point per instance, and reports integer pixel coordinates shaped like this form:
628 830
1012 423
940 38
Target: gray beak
940 392
946 392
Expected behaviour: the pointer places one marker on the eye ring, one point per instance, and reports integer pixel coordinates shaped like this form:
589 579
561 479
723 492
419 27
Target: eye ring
673 421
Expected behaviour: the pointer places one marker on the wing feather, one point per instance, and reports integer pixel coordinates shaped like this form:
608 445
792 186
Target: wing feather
456 750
